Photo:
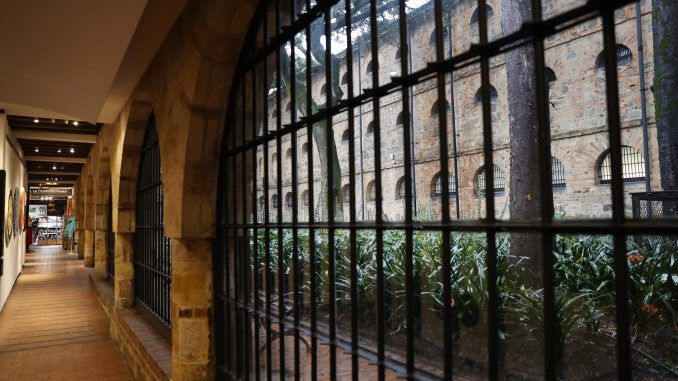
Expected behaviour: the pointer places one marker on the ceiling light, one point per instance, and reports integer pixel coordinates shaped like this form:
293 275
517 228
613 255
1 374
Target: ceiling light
75 123
59 150
37 149
66 122
54 167
72 150
53 120
36 120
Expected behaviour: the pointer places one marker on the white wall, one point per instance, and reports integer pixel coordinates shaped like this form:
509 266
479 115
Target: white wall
15 251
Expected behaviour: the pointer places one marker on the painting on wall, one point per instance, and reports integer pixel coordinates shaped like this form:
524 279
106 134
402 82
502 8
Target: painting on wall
2 220
22 209
16 212
9 217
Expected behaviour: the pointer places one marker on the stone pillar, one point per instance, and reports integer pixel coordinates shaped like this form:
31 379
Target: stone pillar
89 248
81 243
124 270
100 254
192 310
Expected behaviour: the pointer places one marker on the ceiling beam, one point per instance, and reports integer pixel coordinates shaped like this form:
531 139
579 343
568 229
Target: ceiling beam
55 159
55 136
62 182
56 173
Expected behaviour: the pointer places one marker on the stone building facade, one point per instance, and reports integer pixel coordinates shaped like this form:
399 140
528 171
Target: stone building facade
578 114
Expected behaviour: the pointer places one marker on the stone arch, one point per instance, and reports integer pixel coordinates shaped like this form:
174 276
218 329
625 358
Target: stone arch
190 118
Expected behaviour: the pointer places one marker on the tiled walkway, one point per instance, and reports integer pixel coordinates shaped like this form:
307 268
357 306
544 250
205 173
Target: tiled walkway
52 328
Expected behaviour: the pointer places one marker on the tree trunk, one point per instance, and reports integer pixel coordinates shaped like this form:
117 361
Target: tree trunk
665 35
524 192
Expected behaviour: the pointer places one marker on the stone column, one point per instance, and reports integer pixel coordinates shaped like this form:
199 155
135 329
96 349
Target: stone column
191 309
124 270
81 243
100 254
89 248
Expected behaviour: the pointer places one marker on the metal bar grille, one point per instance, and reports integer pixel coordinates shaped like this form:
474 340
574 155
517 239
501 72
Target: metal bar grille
110 238
152 251
633 166
278 286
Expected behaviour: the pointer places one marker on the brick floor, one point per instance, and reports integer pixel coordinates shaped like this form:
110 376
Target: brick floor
51 327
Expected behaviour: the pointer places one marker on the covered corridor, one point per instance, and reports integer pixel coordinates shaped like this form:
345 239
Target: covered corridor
52 327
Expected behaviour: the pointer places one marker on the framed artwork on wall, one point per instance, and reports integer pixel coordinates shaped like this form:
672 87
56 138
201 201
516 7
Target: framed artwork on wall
2 220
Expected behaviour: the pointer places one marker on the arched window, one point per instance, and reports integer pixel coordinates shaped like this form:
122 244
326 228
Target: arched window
153 252
438 185
289 199
304 197
498 180
434 108
110 237
371 191
624 57
262 201
346 194
323 89
274 201
370 127
274 114
344 79
550 75
345 136
475 16
370 67
274 160
305 149
633 166
557 173
432 37
398 53
478 98
400 120
400 188
289 106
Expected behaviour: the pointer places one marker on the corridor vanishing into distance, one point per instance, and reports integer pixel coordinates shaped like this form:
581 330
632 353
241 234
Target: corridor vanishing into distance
52 327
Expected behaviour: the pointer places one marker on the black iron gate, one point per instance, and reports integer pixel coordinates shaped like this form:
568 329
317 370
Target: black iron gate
289 288
152 251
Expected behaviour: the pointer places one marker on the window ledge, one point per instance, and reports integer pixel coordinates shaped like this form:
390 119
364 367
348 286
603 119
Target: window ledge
146 351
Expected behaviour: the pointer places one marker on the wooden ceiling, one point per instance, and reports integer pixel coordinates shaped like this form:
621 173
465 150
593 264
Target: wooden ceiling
53 148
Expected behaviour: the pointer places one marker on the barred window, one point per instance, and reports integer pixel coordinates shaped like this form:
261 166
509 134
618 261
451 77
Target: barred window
370 67
371 191
346 136
557 173
434 108
432 38
346 194
624 57
633 166
400 188
289 199
400 119
438 185
475 16
304 198
420 288
478 98
153 251
370 127
498 180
